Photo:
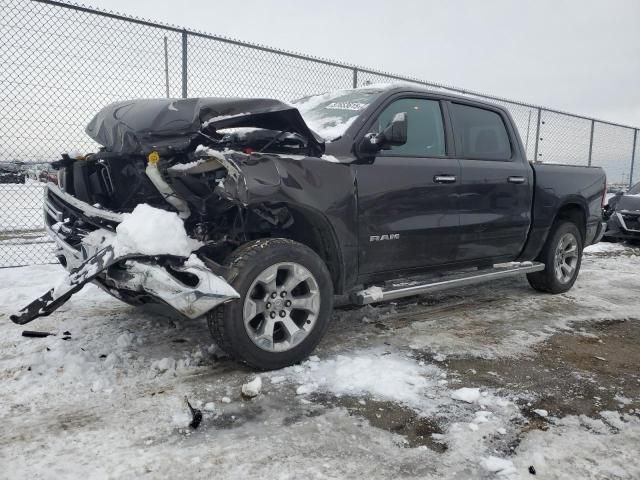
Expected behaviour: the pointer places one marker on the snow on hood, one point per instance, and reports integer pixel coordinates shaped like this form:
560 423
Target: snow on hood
331 114
138 126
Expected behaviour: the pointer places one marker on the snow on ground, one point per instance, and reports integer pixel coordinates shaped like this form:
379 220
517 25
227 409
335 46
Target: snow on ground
108 402
606 247
22 236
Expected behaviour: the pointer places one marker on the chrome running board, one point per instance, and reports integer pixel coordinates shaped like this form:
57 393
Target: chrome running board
406 289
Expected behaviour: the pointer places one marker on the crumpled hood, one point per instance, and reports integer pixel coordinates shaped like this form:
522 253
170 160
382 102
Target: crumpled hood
138 126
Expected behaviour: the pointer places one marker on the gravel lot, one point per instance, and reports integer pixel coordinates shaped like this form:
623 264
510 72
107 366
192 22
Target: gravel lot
493 381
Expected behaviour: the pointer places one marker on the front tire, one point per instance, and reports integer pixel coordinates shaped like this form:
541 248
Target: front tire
562 256
286 299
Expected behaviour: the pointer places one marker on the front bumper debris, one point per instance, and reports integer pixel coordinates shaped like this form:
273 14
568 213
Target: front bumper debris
186 285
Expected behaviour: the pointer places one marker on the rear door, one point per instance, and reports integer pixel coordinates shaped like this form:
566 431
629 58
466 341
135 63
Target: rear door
496 184
407 198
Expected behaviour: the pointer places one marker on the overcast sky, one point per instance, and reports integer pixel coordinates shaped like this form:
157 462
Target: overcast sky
580 56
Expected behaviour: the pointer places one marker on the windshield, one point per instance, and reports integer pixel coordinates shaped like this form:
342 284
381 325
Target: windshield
330 114
635 190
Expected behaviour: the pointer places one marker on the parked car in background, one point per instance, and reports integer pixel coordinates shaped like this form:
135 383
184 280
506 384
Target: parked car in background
12 172
622 213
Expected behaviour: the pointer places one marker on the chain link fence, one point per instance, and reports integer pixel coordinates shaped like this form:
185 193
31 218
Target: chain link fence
62 62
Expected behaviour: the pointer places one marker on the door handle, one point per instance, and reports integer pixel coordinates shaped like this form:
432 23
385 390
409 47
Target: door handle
516 179
444 179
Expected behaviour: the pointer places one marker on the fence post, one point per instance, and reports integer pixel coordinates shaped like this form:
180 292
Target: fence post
591 142
633 156
166 64
355 78
184 64
535 152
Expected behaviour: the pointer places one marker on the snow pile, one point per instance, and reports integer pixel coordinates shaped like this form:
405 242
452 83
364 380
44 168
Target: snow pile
376 293
387 377
498 465
252 389
166 364
465 394
583 447
153 231
604 247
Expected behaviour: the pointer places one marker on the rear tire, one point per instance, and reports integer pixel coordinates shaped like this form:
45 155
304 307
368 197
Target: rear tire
286 299
562 256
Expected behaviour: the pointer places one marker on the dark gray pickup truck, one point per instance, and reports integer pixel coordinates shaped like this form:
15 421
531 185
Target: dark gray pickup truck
376 193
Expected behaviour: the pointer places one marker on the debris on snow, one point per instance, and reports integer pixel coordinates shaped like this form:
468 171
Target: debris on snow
252 389
34 334
196 415
541 412
465 394
225 400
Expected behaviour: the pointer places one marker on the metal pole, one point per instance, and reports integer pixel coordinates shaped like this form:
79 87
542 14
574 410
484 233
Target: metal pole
355 78
633 156
526 145
535 152
591 141
184 64
166 65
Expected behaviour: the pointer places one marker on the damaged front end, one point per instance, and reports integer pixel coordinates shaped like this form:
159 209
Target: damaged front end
82 232
183 156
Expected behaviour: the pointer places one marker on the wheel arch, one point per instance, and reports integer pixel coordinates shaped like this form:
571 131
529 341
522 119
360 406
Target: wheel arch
574 211
312 229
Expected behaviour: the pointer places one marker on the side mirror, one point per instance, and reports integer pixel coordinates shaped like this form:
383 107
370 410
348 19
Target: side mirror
394 135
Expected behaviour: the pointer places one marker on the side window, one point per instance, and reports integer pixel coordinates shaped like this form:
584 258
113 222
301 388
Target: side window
425 136
479 133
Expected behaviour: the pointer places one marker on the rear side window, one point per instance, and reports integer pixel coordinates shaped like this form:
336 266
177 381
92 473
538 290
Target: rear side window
425 135
479 133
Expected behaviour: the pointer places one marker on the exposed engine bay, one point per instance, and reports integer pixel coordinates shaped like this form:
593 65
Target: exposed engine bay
185 155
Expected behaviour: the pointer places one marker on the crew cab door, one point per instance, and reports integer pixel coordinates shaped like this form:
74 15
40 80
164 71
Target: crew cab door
407 195
496 184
